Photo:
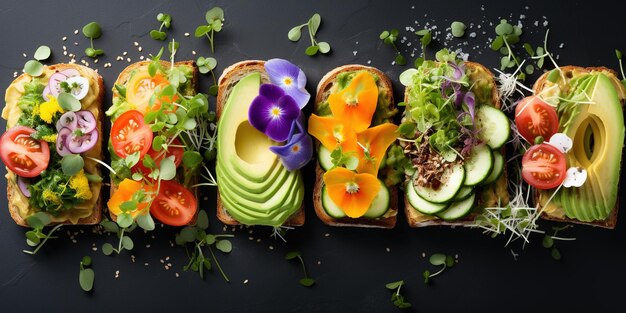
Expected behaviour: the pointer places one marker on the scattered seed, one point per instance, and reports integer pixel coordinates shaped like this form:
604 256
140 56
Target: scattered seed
64 38
388 250
245 281
186 34
136 44
128 60
76 32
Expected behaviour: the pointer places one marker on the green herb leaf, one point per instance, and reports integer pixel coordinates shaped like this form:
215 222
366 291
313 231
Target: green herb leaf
188 234
86 278
400 59
497 43
384 35
311 50
214 14
68 102
203 220
426 38
213 90
110 226
86 261
314 23
33 68
190 124
504 28
224 245
324 47
292 255
437 259
107 248
71 164
426 276
209 239
124 220
407 129
449 261
42 53
307 282
158 35
127 243
618 54
529 49
530 69
146 222
167 168
295 33
547 242
201 30
394 285
92 30
555 254
458 29
38 220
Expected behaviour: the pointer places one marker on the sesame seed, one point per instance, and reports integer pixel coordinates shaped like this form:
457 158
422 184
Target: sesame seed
250 238
141 57
75 43
319 262
140 49
64 48
146 264
125 53
64 38
76 32
177 275
24 54
388 250
193 52
245 281
14 74
136 44
162 261
326 235
95 61
128 60
271 247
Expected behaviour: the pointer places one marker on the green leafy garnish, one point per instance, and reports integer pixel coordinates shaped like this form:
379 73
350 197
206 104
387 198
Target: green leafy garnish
312 25
92 31
306 281
207 65
33 68
438 259
42 53
35 237
426 38
215 21
618 54
86 275
198 237
396 298
166 21
72 164
548 241
507 36
390 37
458 29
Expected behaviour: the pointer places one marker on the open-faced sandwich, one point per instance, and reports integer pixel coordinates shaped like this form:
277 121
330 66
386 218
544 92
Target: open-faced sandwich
262 143
51 145
353 125
578 112
158 125
453 135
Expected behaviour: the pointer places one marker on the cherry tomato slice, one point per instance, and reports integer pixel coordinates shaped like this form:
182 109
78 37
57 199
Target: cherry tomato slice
142 86
534 117
543 166
22 154
175 149
175 205
130 134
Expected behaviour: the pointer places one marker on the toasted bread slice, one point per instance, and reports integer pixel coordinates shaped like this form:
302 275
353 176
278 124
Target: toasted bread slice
124 77
324 89
487 196
229 78
18 203
539 85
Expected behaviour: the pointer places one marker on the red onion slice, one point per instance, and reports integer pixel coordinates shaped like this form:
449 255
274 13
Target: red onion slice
54 84
23 183
86 121
62 140
79 144
69 120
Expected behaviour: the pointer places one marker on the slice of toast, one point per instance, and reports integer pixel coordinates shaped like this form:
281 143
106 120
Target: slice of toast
12 112
124 77
486 197
229 78
539 85
324 89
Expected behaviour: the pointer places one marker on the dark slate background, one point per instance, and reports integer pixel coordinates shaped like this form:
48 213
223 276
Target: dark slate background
351 266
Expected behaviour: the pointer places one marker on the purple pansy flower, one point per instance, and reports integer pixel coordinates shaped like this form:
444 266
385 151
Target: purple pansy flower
273 112
299 148
290 78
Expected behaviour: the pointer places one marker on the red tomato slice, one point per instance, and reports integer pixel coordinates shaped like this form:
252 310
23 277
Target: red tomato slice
130 134
543 166
22 154
157 156
534 117
142 86
175 205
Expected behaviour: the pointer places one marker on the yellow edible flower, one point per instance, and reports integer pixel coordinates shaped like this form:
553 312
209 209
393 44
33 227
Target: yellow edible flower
80 184
48 109
50 138
50 196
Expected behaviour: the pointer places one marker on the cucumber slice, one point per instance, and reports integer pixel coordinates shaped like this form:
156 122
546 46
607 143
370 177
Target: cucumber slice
493 125
422 205
465 192
478 165
451 182
323 157
498 168
458 209
378 208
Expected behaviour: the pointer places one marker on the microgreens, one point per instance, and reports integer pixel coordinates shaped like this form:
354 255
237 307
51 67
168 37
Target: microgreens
197 236
34 67
215 21
390 37
86 275
34 237
306 281
313 25
426 38
207 65
438 259
396 298
42 53
618 54
458 29
92 31
72 164
166 21
548 241
122 227
507 36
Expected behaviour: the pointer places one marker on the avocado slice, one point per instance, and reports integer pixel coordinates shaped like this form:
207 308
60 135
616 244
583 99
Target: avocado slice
602 120
253 185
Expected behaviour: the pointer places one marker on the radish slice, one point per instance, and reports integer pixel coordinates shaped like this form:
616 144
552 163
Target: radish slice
69 120
23 183
54 84
86 122
70 72
62 141
46 92
82 88
79 144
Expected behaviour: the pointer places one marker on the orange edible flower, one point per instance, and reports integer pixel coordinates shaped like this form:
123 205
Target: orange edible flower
331 132
355 104
124 192
376 140
352 192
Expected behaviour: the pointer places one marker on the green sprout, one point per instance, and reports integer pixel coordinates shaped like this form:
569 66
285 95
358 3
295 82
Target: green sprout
166 21
313 25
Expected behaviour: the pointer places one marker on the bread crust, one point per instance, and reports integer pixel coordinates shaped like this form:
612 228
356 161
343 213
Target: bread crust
96 215
323 91
500 185
611 221
230 76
